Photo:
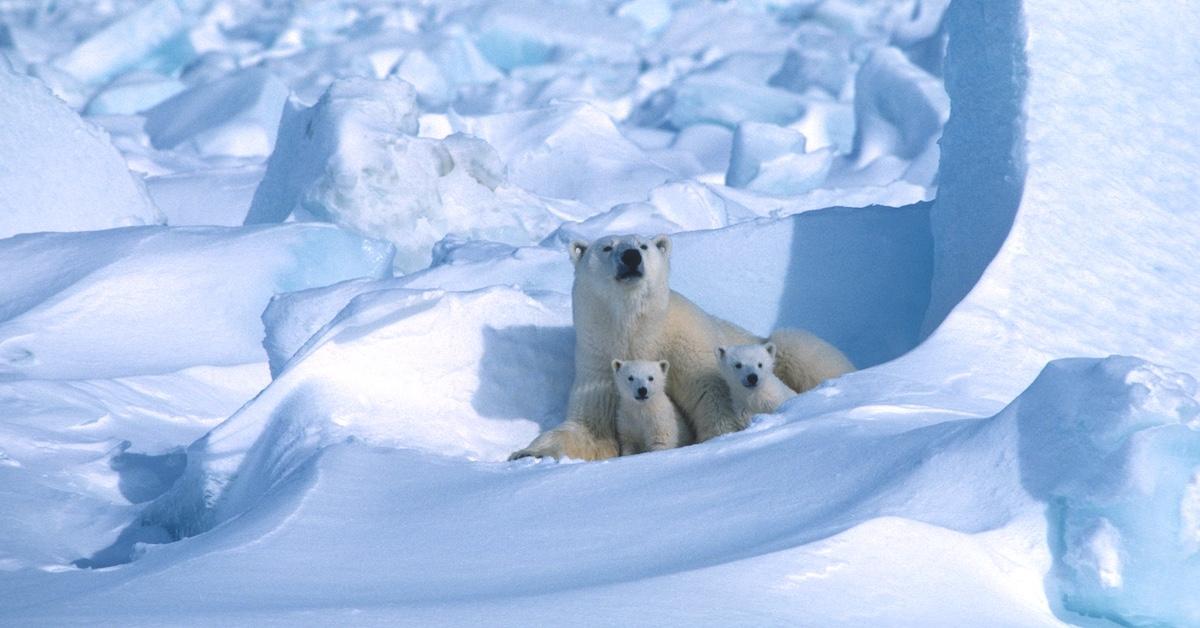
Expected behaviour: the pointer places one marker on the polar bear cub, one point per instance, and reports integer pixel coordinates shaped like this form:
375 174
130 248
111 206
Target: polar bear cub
647 419
753 385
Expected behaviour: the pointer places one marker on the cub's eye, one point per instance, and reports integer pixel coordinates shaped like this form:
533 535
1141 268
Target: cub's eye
760 365
645 248
631 378
651 378
738 365
607 249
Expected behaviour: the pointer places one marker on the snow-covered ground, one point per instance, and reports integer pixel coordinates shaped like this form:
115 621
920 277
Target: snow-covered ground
283 284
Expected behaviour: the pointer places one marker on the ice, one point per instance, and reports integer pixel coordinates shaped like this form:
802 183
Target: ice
1118 461
133 92
66 292
888 84
63 173
772 159
440 70
354 159
546 148
237 115
517 34
217 196
725 100
156 28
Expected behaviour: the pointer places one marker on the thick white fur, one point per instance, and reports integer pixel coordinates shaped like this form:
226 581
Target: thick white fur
653 422
762 394
643 319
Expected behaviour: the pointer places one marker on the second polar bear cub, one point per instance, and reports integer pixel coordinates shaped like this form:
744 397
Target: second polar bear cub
749 372
647 420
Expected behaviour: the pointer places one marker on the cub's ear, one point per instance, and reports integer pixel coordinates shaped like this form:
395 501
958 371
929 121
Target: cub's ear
770 346
720 353
616 365
664 365
664 244
578 248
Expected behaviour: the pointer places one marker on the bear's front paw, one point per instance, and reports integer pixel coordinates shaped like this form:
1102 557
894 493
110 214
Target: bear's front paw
531 452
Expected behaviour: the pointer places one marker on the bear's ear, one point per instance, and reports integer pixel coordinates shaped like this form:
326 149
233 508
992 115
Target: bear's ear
664 365
578 248
770 347
721 353
616 365
664 244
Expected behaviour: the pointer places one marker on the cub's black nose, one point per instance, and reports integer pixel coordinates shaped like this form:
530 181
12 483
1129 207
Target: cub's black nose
642 391
752 379
631 258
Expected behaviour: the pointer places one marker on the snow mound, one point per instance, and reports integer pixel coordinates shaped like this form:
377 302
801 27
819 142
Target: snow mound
68 176
66 293
475 357
354 159
237 115
1118 461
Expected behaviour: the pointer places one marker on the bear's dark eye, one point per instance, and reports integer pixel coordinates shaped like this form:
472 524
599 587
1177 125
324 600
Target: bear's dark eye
631 378
760 365
651 378
738 365
607 249
645 248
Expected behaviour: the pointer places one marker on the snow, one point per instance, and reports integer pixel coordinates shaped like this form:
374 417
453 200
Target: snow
243 417
60 173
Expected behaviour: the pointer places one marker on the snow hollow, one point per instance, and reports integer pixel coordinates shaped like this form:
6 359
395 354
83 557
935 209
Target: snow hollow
283 285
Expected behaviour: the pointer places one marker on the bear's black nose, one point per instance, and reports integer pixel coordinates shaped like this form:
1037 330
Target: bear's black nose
642 392
752 379
631 258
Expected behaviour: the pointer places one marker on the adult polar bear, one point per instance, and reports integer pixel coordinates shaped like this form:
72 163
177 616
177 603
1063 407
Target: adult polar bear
624 310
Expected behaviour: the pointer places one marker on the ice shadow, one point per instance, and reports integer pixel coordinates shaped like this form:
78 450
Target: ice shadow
526 373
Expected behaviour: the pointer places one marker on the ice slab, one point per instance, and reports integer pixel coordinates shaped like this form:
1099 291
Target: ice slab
133 92
152 35
60 173
237 116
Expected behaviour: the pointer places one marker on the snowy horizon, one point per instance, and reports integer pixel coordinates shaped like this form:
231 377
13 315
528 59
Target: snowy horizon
285 283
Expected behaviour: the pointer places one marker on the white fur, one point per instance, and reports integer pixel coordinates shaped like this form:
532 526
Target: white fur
647 419
749 371
641 318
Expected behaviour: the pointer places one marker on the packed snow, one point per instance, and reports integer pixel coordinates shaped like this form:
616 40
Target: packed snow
285 284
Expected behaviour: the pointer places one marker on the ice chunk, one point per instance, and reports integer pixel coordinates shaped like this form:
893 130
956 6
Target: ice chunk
725 100
60 173
1114 446
653 15
821 59
517 34
136 301
354 159
218 196
710 144
899 111
771 158
439 70
547 149
238 116
155 28
671 208
133 92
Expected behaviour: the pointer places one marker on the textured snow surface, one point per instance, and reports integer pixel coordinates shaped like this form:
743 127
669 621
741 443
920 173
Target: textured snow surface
293 403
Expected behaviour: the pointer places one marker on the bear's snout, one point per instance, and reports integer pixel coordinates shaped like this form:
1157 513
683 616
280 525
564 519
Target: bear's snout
752 380
630 264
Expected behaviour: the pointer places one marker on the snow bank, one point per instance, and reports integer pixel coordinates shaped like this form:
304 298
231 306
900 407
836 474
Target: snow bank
60 173
476 357
67 293
354 159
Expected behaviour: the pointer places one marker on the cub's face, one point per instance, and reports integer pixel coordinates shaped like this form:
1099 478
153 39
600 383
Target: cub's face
746 365
639 380
622 262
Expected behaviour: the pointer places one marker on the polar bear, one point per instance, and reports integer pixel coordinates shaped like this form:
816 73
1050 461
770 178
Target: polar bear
647 419
749 372
623 308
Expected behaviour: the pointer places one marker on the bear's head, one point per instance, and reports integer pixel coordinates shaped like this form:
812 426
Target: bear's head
619 263
640 380
746 365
